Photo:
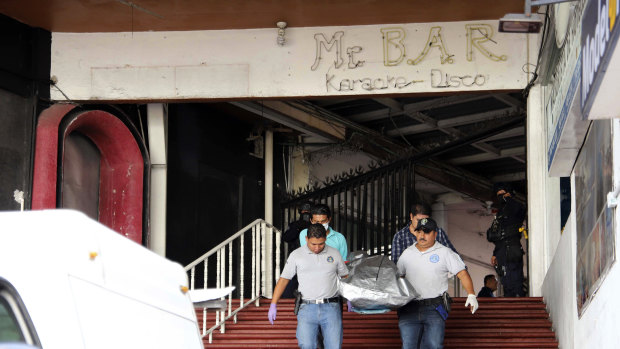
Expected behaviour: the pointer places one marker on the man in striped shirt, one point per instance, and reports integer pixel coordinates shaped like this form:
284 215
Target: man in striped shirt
405 237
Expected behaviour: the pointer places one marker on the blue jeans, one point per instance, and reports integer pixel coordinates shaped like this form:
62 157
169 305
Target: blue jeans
328 317
421 327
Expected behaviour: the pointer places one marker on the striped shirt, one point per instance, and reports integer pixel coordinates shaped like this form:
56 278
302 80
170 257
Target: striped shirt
404 239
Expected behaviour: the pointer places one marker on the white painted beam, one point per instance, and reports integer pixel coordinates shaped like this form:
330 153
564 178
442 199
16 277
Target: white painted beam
504 153
391 103
515 132
285 120
510 177
415 107
511 101
453 122
331 127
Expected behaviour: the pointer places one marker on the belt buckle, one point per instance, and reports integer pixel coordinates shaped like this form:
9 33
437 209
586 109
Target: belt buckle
320 301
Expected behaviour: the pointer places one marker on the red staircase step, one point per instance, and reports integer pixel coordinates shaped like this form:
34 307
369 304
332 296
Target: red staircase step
499 323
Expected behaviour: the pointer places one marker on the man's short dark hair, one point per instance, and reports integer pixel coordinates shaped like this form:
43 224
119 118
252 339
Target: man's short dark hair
487 278
421 207
502 186
305 207
316 230
321 209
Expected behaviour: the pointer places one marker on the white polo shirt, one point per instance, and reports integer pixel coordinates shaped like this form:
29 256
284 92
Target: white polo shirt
317 273
429 271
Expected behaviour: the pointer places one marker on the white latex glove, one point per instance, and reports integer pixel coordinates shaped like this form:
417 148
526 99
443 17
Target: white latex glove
472 301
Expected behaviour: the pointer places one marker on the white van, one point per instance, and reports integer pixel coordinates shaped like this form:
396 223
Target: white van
68 282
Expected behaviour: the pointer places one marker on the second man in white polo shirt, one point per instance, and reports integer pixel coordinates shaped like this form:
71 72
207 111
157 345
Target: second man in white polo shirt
427 265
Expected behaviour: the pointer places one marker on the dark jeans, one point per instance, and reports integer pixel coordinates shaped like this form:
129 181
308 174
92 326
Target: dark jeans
513 280
421 327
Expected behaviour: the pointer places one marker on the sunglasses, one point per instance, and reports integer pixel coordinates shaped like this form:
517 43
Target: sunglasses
426 230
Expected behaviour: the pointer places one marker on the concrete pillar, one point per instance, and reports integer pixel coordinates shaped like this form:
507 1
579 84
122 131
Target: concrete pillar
543 195
269 275
157 122
269 176
537 171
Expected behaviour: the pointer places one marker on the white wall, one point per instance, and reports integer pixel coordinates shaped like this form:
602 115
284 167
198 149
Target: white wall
466 228
598 325
301 171
249 63
559 290
323 164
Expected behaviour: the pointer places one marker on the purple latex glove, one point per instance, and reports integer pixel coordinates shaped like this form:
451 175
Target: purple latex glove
349 306
273 310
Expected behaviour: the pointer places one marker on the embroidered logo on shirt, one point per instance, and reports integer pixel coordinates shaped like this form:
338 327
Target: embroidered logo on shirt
434 258
330 259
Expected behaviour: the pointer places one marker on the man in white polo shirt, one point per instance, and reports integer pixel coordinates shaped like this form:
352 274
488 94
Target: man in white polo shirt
318 267
427 265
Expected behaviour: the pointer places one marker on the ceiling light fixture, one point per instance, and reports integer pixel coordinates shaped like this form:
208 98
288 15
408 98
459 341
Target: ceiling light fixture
520 23
525 22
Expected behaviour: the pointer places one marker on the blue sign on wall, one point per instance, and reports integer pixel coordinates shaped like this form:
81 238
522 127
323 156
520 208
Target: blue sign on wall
599 35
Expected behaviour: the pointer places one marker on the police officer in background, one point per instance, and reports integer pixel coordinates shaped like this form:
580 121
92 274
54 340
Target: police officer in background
291 237
504 233
318 267
427 265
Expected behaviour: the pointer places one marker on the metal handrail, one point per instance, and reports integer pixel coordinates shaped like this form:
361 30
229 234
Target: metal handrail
265 247
231 238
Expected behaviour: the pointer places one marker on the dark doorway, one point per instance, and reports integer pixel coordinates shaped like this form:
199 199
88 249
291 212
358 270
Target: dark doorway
80 178
215 187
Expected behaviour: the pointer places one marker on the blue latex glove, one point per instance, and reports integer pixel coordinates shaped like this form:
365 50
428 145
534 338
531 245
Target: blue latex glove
349 306
273 310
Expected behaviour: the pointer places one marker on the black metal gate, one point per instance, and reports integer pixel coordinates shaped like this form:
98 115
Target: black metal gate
367 209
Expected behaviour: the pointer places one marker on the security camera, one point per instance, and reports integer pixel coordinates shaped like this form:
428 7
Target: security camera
520 23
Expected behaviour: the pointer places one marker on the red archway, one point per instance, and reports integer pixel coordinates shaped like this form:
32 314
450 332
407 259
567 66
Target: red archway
121 167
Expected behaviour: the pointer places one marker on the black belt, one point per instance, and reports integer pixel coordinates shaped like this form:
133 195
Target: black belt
321 301
429 301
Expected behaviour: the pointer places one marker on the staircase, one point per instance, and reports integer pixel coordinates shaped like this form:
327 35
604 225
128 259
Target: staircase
498 323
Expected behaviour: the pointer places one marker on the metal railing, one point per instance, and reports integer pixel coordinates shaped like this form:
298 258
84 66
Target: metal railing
254 275
368 209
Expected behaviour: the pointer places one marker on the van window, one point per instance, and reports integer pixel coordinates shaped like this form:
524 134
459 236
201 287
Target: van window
9 328
15 324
